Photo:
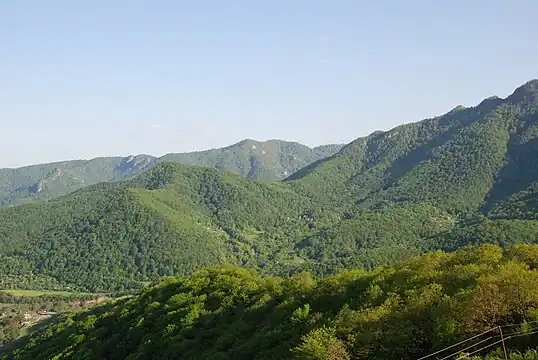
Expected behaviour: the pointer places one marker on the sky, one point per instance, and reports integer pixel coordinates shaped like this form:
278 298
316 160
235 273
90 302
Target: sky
81 79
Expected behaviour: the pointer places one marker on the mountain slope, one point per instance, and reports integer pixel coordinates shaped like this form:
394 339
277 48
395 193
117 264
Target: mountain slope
461 161
171 220
41 182
270 160
177 218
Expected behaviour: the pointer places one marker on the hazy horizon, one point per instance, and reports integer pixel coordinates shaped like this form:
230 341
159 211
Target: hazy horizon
85 80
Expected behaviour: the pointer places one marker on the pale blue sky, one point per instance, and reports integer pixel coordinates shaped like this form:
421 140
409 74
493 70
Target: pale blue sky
81 79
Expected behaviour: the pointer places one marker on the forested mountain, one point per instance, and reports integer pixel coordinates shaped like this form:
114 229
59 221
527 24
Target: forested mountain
269 160
467 177
465 160
441 304
171 220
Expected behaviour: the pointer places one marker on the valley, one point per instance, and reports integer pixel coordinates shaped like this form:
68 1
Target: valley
25 311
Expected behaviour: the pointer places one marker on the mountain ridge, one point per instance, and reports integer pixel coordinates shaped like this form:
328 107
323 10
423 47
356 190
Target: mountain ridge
39 182
147 155
453 126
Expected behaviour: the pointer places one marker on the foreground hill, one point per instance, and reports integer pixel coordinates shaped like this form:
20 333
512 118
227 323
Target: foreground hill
406 311
270 160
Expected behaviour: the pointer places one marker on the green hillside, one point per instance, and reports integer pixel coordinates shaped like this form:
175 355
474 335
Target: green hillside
467 177
466 160
171 220
270 160
406 311
175 219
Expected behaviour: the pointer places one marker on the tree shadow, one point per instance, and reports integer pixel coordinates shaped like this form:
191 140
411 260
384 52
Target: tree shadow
305 171
519 173
452 124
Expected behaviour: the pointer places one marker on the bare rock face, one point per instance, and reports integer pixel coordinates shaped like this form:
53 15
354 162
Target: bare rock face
131 163
37 187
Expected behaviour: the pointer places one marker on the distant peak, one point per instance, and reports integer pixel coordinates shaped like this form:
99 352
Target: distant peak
529 86
257 143
245 142
526 92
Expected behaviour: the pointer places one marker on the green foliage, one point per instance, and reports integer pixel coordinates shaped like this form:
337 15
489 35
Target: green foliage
321 344
404 311
43 182
472 159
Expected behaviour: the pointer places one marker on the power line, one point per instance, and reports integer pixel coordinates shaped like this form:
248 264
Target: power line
503 338
522 331
467 348
498 342
461 342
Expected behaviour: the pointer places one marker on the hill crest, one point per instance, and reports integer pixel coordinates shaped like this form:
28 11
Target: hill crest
269 160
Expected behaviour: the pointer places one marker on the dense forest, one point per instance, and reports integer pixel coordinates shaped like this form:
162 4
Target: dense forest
467 177
442 304
269 160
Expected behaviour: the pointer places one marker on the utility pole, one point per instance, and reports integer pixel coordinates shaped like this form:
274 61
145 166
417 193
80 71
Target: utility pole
504 346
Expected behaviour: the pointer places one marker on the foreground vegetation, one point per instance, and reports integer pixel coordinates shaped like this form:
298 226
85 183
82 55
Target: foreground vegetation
405 311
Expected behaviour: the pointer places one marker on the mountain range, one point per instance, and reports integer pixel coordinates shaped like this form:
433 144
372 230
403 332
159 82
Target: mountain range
461 189
469 176
269 160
